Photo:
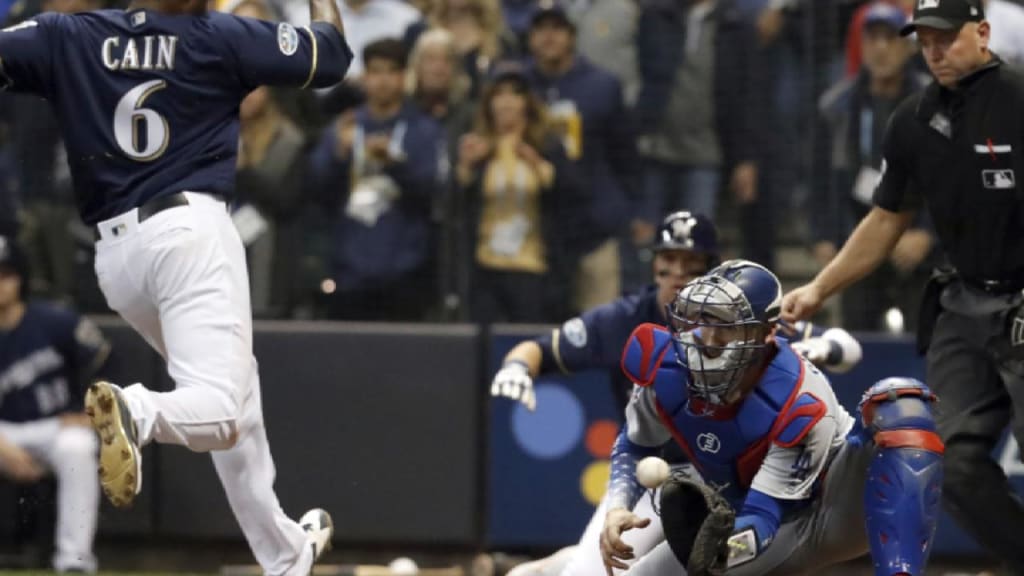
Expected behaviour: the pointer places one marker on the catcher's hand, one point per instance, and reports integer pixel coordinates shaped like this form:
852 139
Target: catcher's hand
698 522
514 381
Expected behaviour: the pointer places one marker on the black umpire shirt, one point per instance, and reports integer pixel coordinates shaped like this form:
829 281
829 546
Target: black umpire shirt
958 152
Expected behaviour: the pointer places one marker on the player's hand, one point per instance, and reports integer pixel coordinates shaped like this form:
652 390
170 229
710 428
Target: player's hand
617 521
19 465
911 249
814 349
744 182
802 303
514 381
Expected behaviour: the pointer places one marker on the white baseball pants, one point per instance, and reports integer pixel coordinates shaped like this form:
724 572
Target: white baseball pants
70 452
180 279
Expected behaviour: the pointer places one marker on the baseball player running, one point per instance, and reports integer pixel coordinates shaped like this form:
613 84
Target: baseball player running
46 356
148 103
763 428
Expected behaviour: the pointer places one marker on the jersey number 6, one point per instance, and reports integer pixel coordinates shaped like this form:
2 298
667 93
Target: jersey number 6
130 118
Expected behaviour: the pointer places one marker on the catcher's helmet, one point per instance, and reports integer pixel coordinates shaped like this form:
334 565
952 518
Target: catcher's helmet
688 231
717 319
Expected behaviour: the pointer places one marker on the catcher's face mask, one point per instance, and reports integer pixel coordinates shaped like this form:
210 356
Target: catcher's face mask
716 335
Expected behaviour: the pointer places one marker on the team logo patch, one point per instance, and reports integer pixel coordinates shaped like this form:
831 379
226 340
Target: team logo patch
927 4
138 19
941 124
708 442
998 179
287 39
575 331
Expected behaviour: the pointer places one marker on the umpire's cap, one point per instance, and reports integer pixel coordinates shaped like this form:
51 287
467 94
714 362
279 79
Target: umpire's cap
688 231
944 14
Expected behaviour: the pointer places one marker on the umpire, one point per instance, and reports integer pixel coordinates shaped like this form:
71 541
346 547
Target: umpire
956 148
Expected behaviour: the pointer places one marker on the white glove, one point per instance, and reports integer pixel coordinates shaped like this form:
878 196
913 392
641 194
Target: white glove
514 381
814 349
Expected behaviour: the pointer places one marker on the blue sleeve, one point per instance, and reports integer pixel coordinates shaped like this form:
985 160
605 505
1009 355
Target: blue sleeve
623 488
592 340
762 513
279 54
26 55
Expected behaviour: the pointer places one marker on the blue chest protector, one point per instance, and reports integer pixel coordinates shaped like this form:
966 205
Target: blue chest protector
728 445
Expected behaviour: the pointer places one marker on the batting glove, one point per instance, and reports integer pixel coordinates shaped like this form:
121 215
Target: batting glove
814 349
514 381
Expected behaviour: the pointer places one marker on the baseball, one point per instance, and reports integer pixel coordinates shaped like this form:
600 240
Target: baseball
403 567
651 472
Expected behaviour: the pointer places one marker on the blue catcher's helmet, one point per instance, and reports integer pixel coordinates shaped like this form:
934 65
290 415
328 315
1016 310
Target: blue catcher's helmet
688 231
720 321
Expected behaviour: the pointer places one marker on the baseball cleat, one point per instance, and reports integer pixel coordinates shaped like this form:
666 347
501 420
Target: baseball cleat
318 525
120 459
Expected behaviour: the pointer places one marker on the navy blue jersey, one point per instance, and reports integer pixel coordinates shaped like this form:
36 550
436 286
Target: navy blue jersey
148 102
43 361
595 338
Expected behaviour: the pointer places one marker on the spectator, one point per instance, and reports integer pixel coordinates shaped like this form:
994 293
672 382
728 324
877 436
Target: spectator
519 187
440 88
853 33
585 106
1008 35
698 108
376 170
47 356
271 160
854 114
478 29
606 33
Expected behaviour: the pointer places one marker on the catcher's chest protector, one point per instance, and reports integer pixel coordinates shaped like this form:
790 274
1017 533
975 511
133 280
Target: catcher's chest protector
728 446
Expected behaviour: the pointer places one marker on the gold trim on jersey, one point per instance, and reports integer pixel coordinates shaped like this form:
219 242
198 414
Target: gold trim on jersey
312 68
556 352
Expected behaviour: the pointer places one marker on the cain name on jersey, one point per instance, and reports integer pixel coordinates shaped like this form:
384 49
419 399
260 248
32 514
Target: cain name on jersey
145 53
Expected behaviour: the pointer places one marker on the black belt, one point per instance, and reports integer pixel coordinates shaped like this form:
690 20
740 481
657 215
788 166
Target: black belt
154 207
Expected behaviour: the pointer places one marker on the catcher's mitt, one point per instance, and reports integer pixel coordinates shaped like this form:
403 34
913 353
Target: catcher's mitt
698 522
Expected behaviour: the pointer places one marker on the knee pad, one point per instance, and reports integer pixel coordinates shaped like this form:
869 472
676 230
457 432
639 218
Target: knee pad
904 481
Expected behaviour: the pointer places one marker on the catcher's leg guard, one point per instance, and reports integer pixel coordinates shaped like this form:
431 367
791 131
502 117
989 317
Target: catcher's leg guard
901 497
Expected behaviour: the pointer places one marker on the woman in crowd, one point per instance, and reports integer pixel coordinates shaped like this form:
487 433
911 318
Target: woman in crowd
520 191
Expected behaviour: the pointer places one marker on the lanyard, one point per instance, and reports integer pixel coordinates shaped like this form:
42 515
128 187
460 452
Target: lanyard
867 135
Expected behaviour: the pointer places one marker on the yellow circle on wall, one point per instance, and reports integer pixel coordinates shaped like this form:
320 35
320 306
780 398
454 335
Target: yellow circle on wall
594 480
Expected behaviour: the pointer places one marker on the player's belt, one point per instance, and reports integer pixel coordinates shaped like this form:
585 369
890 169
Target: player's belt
156 206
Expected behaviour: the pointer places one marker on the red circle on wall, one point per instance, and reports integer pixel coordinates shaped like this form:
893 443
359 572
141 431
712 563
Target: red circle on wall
600 438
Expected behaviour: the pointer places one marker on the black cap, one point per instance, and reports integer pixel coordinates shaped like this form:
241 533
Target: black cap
944 14
549 11
510 71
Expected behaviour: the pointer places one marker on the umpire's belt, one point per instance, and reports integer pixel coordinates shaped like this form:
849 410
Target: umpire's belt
152 208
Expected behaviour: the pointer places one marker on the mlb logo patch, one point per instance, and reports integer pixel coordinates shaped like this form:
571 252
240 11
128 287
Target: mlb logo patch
998 179
287 39
927 4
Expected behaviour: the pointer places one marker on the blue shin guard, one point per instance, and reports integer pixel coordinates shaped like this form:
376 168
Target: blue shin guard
903 489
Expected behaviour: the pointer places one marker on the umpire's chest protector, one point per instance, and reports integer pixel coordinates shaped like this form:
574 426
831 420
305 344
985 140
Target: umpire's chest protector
728 445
